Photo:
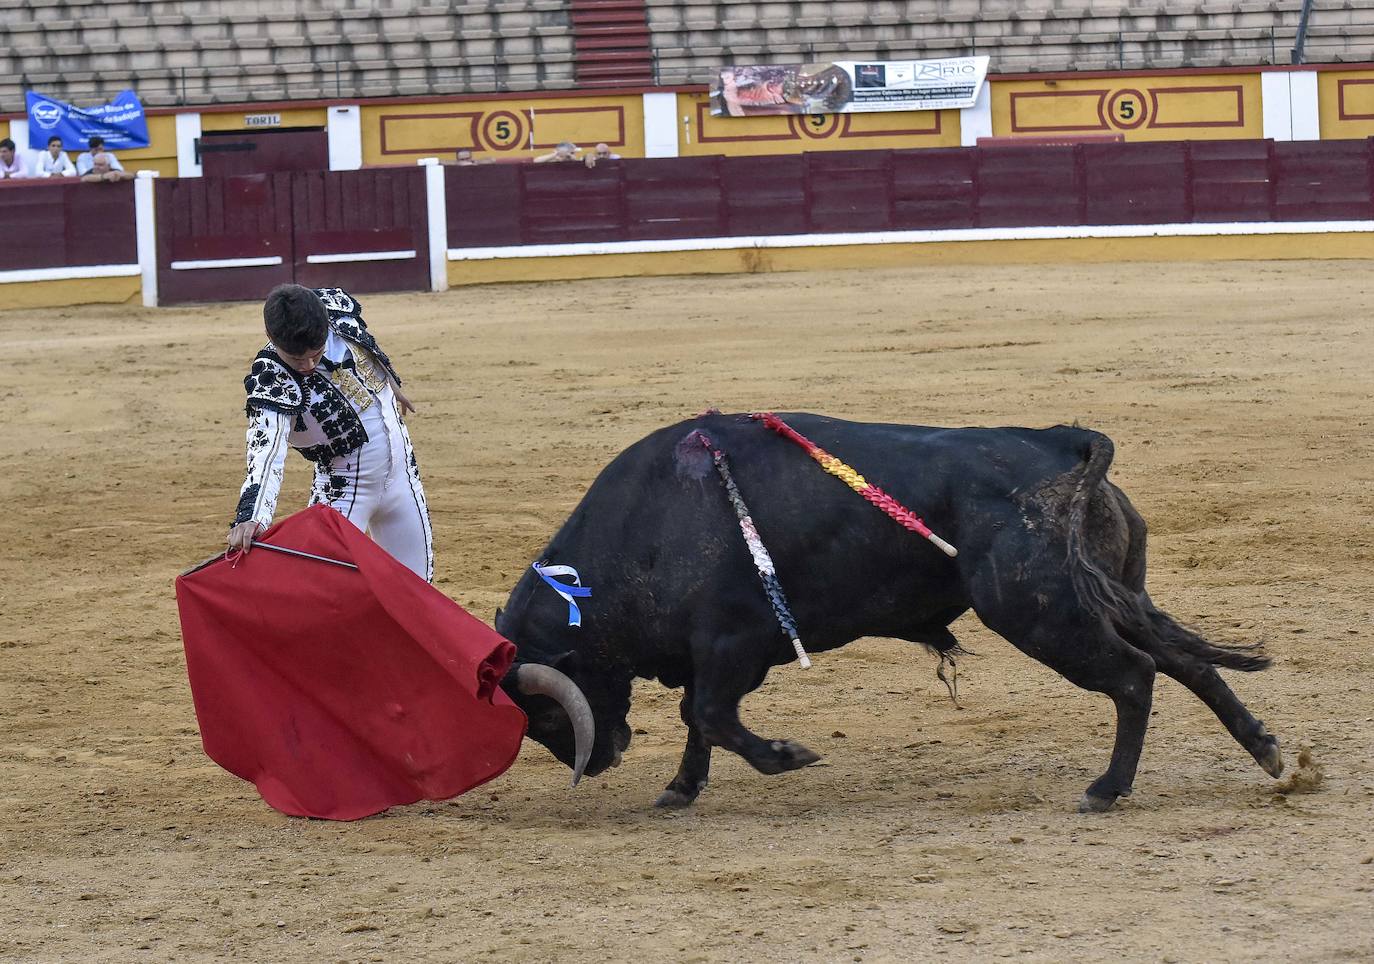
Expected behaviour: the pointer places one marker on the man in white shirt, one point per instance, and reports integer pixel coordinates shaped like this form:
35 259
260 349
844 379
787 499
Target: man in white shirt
10 165
54 162
86 160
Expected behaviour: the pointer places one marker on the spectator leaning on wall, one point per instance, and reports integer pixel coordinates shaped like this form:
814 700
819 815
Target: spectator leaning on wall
565 151
86 160
102 170
10 165
54 162
602 152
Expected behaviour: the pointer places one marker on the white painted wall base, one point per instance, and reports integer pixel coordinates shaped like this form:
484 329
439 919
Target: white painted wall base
913 237
69 274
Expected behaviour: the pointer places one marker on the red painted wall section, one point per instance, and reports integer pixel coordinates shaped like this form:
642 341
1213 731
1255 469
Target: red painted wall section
674 198
934 188
485 205
351 213
210 219
764 195
1321 180
1136 183
1016 185
1230 180
1027 186
291 216
67 224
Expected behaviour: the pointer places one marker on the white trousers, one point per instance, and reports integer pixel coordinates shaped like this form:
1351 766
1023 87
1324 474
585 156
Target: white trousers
378 489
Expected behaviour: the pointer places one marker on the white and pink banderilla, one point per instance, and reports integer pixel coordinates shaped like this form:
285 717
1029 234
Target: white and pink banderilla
763 562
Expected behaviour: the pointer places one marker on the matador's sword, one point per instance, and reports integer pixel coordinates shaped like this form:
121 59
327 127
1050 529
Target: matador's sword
282 549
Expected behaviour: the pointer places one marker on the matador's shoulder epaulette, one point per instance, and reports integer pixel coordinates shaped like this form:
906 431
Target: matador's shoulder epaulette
272 385
346 318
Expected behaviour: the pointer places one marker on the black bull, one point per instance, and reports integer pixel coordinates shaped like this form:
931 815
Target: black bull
1051 557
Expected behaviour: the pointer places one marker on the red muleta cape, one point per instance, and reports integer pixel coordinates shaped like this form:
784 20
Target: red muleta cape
342 692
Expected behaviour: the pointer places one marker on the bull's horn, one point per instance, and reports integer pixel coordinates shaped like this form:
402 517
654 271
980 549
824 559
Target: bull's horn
536 679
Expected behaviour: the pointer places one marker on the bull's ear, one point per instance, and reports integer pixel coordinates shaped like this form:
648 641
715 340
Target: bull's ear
566 663
496 620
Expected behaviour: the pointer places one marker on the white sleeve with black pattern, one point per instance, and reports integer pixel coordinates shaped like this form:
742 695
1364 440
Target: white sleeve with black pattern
267 444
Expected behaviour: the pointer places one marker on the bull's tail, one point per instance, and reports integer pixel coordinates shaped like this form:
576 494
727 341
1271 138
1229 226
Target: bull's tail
1131 612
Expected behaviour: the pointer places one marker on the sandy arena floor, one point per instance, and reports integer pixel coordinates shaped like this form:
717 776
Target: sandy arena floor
1239 399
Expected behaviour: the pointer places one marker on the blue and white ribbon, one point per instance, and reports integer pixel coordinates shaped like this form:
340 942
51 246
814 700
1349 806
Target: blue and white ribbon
563 589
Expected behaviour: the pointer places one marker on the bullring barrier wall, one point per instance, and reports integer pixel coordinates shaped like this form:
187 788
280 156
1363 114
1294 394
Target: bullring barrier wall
432 226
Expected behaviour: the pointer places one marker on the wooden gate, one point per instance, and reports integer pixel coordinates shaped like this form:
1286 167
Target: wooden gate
235 238
223 238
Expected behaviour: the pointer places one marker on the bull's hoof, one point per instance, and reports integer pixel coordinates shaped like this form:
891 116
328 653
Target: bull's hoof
1270 757
785 755
671 799
1095 804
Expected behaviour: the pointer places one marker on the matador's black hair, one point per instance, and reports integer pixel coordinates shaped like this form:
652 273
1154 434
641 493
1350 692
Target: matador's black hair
295 318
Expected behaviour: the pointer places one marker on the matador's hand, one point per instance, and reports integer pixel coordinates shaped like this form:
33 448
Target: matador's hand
243 534
401 400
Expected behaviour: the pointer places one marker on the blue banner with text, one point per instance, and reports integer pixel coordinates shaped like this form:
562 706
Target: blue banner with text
121 122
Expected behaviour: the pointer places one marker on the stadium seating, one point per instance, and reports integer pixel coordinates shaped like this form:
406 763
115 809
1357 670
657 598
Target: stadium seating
692 38
219 51
216 51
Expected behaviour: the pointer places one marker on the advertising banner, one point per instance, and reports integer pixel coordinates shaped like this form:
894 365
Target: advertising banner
846 87
121 122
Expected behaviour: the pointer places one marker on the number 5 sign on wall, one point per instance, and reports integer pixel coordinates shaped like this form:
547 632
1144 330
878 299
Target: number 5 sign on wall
502 130
1126 109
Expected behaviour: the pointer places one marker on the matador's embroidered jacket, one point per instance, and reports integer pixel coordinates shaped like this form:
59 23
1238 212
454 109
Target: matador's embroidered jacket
316 413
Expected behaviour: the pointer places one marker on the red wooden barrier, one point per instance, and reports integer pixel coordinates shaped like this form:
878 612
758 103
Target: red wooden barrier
1141 183
764 195
850 190
568 202
935 188
1009 185
223 239
234 238
1230 180
361 230
485 204
1322 181
674 198
1029 186
66 224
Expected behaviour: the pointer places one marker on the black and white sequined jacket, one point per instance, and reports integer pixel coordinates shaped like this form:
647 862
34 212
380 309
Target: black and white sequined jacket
315 413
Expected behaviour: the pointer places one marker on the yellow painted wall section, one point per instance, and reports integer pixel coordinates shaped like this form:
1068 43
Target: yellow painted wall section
1345 101
77 291
501 129
161 153
238 120
699 132
1139 106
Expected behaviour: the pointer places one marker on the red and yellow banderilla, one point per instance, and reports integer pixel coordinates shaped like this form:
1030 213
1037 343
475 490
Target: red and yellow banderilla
894 509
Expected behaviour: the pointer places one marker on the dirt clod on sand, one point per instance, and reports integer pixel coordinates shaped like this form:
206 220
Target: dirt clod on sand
1238 396
1305 779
